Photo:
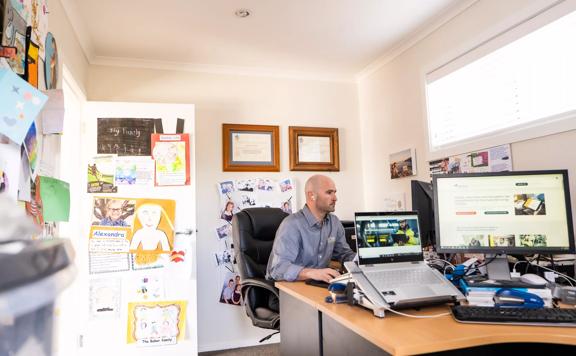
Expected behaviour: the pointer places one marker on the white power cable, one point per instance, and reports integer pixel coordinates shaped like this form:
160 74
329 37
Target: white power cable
416 316
562 275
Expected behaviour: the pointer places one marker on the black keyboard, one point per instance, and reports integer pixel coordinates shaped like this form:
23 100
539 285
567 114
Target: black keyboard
520 316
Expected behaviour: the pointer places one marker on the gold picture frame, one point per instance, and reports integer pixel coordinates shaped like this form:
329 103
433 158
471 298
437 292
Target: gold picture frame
314 149
250 148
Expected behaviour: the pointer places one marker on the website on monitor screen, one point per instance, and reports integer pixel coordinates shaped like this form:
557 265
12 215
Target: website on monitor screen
526 211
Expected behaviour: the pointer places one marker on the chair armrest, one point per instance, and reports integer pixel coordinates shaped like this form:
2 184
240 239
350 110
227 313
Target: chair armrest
260 283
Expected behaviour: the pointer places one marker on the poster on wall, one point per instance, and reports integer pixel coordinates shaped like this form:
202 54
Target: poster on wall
171 155
125 136
101 174
156 323
495 159
403 164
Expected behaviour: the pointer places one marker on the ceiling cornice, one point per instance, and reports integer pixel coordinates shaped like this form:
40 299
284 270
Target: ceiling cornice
221 69
422 32
412 39
73 14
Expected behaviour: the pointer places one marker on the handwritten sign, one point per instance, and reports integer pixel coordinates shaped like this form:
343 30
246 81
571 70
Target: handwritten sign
125 136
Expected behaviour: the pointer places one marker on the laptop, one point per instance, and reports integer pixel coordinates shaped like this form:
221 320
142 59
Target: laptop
390 257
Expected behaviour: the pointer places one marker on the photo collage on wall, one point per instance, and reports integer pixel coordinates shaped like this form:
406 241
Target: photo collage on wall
236 195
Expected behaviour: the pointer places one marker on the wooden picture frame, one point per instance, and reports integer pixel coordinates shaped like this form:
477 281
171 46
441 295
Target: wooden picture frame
314 149
250 148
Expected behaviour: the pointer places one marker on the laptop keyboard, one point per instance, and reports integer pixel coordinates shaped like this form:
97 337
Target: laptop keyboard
391 279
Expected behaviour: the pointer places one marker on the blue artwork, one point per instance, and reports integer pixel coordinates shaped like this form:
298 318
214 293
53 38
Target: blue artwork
20 103
51 62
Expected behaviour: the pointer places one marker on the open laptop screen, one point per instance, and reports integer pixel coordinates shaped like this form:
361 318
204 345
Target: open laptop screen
388 237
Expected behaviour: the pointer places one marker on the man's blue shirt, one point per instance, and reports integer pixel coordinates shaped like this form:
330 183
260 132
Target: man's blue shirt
304 242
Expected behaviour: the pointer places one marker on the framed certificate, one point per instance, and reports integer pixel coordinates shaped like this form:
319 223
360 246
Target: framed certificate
314 149
254 148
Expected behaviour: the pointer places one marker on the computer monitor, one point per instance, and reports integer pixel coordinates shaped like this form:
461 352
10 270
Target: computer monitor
423 203
503 213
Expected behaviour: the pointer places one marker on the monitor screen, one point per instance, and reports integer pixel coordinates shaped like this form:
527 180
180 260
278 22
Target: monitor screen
423 203
388 237
505 212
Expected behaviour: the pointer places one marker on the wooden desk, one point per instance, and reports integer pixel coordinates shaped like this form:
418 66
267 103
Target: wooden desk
309 326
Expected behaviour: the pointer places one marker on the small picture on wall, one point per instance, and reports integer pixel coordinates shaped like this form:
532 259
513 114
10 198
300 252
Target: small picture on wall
403 164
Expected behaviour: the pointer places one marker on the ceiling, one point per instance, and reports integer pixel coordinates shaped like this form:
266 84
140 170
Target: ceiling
338 38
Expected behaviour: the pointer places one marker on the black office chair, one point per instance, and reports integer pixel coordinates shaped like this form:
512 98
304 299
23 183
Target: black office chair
253 232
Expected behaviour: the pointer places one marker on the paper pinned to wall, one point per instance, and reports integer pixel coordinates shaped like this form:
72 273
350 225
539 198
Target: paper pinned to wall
125 136
10 166
108 262
156 323
134 170
52 115
494 159
105 296
31 148
394 202
101 174
55 196
20 103
172 159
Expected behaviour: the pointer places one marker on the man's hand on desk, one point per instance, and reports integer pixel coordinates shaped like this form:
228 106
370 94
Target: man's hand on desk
318 274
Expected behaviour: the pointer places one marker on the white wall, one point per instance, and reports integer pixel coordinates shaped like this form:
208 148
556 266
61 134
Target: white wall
69 50
249 100
392 106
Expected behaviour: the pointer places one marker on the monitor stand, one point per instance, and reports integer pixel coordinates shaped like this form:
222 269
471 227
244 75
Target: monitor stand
498 269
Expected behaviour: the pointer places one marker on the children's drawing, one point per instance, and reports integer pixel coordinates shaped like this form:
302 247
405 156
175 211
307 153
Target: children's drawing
105 298
156 323
171 154
153 226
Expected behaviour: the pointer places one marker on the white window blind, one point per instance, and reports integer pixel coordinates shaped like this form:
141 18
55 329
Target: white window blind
526 83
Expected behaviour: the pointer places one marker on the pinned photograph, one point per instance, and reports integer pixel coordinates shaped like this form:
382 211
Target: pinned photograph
224 231
231 289
248 200
228 211
287 206
224 257
226 187
529 204
265 185
113 211
247 185
403 164
286 185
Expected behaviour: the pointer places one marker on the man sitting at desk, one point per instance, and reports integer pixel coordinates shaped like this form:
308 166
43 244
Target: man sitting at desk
307 240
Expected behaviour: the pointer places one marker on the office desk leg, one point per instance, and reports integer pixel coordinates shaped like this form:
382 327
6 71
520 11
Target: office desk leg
300 328
338 340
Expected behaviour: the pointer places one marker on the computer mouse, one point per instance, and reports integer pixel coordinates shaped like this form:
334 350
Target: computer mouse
533 279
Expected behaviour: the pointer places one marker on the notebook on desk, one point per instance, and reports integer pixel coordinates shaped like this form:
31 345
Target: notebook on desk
390 257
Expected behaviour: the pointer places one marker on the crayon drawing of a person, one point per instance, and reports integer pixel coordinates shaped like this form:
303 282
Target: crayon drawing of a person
149 236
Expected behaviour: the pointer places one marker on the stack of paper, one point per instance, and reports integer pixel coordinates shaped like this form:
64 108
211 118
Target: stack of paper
484 296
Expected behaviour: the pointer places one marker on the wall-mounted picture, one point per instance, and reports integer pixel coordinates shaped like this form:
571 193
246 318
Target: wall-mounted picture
250 148
314 149
403 164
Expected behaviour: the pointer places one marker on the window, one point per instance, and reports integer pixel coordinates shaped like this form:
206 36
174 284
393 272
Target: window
515 90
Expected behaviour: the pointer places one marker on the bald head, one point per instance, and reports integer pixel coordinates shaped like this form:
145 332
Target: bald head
320 194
